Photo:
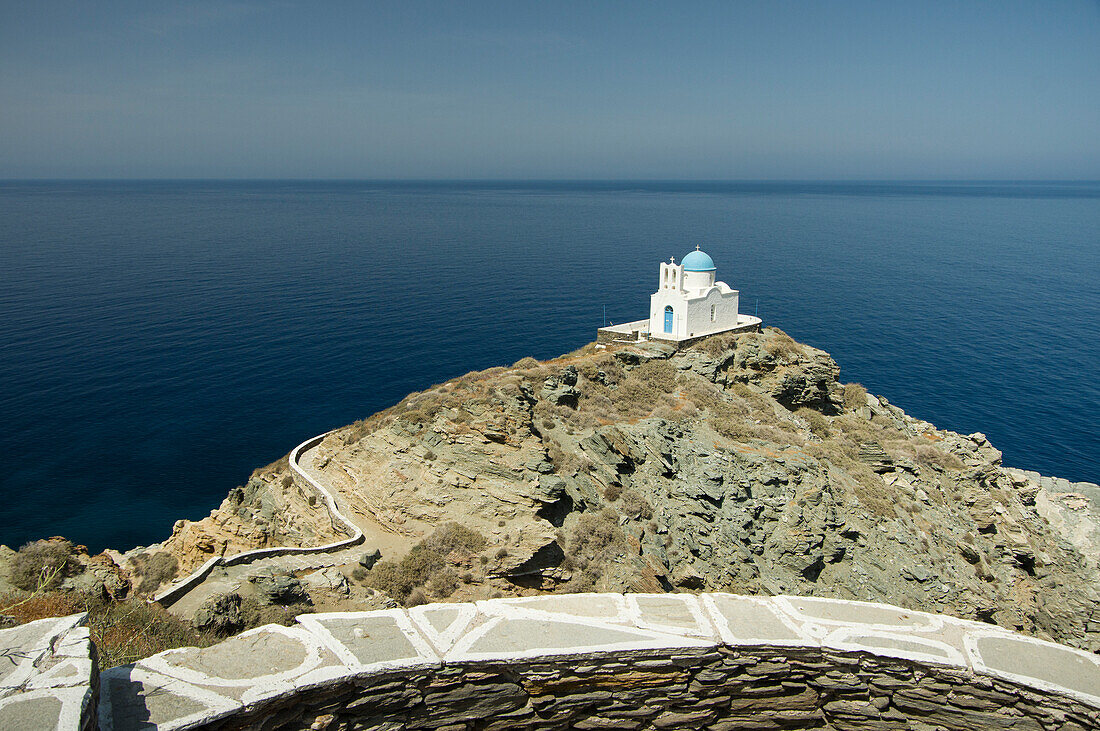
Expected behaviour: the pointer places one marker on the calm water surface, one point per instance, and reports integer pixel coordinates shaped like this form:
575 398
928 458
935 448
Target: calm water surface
160 340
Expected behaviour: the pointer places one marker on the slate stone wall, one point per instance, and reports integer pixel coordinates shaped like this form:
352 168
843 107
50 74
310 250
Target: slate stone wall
719 689
636 661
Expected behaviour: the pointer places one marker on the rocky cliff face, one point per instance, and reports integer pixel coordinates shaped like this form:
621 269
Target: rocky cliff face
740 464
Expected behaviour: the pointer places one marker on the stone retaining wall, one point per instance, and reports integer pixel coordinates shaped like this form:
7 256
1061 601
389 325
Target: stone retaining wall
340 521
711 661
627 333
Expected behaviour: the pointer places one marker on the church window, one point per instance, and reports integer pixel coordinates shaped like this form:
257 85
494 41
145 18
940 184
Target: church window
713 313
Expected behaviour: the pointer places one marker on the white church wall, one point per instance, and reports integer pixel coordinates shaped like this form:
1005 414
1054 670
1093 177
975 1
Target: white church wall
657 303
698 321
698 280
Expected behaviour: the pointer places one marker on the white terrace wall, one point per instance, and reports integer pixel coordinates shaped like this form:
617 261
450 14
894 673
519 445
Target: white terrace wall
596 661
340 522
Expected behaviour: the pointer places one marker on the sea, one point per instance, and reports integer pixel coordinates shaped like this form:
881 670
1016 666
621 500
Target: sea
161 339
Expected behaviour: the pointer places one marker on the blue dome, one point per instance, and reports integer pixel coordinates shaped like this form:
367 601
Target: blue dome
698 261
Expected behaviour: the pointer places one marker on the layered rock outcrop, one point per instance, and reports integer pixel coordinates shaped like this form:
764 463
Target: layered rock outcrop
738 463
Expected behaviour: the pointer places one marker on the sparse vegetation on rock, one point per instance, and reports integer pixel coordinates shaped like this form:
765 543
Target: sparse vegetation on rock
739 463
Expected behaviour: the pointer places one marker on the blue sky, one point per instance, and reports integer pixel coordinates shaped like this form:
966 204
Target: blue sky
682 90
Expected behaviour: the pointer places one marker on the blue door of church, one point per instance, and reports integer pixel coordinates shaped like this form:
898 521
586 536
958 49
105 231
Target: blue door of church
668 319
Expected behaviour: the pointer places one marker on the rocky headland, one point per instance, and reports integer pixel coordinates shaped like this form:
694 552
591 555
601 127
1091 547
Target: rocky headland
740 463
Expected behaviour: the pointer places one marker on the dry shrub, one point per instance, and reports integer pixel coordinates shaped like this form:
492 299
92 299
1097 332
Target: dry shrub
416 597
454 537
929 456
581 351
611 493
819 425
526 363
123 632
634 397
424 561
43 564
635 506
130 630
779 344
716 345
280 465
594 536
444 582
660 374
703 394
872 492
24 608
855 396
256 614
154 570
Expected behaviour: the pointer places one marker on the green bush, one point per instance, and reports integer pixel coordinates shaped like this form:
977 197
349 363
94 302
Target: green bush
43 565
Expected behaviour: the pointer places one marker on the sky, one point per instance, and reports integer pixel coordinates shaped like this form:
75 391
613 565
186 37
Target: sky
805 90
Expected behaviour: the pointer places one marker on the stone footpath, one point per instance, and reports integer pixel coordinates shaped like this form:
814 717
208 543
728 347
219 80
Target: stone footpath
224 573
587 661
48 676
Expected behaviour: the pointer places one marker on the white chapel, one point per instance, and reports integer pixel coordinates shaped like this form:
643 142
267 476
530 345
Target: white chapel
689 303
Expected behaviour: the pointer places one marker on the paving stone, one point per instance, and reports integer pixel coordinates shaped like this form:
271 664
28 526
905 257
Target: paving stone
378 640
840 612
1033 661
132 698
743 620
523 637
677 613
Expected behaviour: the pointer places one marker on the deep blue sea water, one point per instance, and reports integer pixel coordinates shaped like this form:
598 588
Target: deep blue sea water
159 340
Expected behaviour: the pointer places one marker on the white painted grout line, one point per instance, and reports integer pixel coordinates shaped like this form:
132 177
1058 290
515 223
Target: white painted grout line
213 706
920 621
978 663
161 662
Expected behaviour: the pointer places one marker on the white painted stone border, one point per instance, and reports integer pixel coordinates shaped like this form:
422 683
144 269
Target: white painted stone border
522 608
52 628
72 704
979 666
846 638
426 657
215 706
473 622
446 639
703 626
181 587
786 603
727 636
311 661
647 640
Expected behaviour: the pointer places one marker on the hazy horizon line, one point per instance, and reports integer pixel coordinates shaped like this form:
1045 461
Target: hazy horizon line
544 180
